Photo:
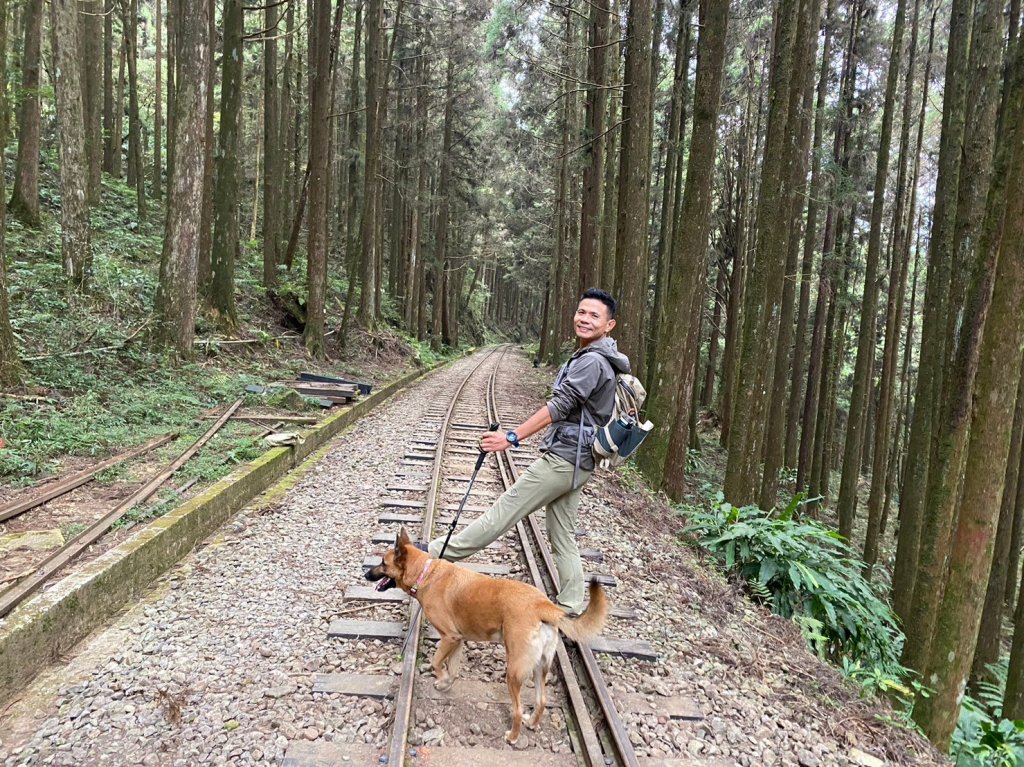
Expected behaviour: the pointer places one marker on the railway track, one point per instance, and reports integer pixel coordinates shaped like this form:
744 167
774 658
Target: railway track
583 726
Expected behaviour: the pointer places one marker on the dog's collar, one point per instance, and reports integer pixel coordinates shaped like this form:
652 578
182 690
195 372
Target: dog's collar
419 581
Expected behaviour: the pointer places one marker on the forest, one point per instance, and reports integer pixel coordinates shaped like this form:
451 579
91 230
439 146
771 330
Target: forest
805 208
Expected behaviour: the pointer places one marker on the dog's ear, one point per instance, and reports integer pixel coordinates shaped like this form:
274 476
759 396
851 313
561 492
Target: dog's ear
401 540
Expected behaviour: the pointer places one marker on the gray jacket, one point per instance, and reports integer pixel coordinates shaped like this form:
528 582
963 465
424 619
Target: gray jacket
587 378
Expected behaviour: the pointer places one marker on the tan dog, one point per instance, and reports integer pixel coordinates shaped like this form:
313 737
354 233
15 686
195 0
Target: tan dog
464 605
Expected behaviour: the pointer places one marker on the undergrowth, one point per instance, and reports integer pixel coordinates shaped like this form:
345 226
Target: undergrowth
95 384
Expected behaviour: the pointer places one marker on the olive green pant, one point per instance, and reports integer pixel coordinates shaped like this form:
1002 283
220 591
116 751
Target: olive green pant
547 482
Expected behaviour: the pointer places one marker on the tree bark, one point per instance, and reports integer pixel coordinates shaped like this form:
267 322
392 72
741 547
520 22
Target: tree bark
10 367
91 28
76 251
176 295
990 631
854 447
764 283
631 272
226 198
370 251
998 285
319 136
931 365
158 107
594 151
951 432
25 197
136 172
664 461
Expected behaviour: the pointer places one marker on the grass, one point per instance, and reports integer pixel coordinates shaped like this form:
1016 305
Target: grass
101 385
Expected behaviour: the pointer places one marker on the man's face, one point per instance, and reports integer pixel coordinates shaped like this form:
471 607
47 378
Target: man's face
592 321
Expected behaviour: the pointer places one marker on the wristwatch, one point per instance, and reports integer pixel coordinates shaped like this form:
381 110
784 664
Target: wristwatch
512 438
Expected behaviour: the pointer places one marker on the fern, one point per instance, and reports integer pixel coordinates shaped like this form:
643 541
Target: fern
803 570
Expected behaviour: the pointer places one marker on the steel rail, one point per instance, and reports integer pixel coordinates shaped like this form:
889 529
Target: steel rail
617 729
403 698
13 596
66 485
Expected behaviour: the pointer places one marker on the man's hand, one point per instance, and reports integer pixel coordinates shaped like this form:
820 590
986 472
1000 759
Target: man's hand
494 442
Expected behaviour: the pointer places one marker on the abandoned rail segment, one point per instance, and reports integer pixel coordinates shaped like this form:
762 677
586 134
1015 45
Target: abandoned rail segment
41 493
15 594
434 475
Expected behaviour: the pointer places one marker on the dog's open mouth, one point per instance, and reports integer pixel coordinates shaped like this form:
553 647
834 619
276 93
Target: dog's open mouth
385 583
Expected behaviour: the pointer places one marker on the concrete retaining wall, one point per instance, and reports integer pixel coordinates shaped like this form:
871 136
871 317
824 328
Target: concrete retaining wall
50 623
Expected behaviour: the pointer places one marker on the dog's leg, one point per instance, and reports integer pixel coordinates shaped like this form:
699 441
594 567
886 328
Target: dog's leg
540 679
447 647
515 684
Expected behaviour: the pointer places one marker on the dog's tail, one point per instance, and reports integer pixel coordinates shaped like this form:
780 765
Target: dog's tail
590 623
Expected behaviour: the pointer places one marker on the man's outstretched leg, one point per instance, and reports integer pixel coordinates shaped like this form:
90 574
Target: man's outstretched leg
546 479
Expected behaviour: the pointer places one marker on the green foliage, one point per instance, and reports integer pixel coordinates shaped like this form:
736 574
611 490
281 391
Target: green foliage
983 738
806 572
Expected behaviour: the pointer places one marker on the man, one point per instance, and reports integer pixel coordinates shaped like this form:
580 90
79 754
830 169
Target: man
584 394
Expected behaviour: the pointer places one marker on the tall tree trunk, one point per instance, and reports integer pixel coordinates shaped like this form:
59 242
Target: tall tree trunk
206 211
117 140
271 159
226 224
631 272
894 315
797 387
91 28
801 92
853 451
612 145
594 151
665 460
25 197
998 284
764 284
672 182
136 172
950 435
176 295
990 631
319 137
443 192
370 249
10 368
708 387
108 85
931 365
158 107
76 251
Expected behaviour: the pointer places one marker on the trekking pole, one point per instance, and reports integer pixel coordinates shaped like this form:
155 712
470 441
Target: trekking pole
479 462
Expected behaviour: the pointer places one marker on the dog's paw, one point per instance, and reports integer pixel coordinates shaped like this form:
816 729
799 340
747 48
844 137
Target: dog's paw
444 685
533 722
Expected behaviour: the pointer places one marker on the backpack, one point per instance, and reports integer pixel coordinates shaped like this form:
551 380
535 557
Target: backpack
618 439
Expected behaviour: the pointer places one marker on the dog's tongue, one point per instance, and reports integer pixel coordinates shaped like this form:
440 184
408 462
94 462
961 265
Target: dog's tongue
385 583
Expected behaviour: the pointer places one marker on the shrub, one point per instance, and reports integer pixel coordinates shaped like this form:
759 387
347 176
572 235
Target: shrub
806 572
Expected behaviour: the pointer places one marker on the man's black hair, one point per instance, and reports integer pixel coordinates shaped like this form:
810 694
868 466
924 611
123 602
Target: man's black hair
604 297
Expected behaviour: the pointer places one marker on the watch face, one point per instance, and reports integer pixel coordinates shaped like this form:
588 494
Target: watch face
511 437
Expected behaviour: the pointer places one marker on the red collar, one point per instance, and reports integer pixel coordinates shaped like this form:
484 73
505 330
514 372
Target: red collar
419 581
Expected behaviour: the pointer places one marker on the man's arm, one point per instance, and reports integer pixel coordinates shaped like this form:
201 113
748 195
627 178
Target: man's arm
495 442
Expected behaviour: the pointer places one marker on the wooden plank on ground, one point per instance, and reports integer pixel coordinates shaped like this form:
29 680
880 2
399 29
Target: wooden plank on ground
356 629
470 509
606 580
321 753
392 518
476 567
407 488
449 756
370 594
403 503
363 685
591 555
626 648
